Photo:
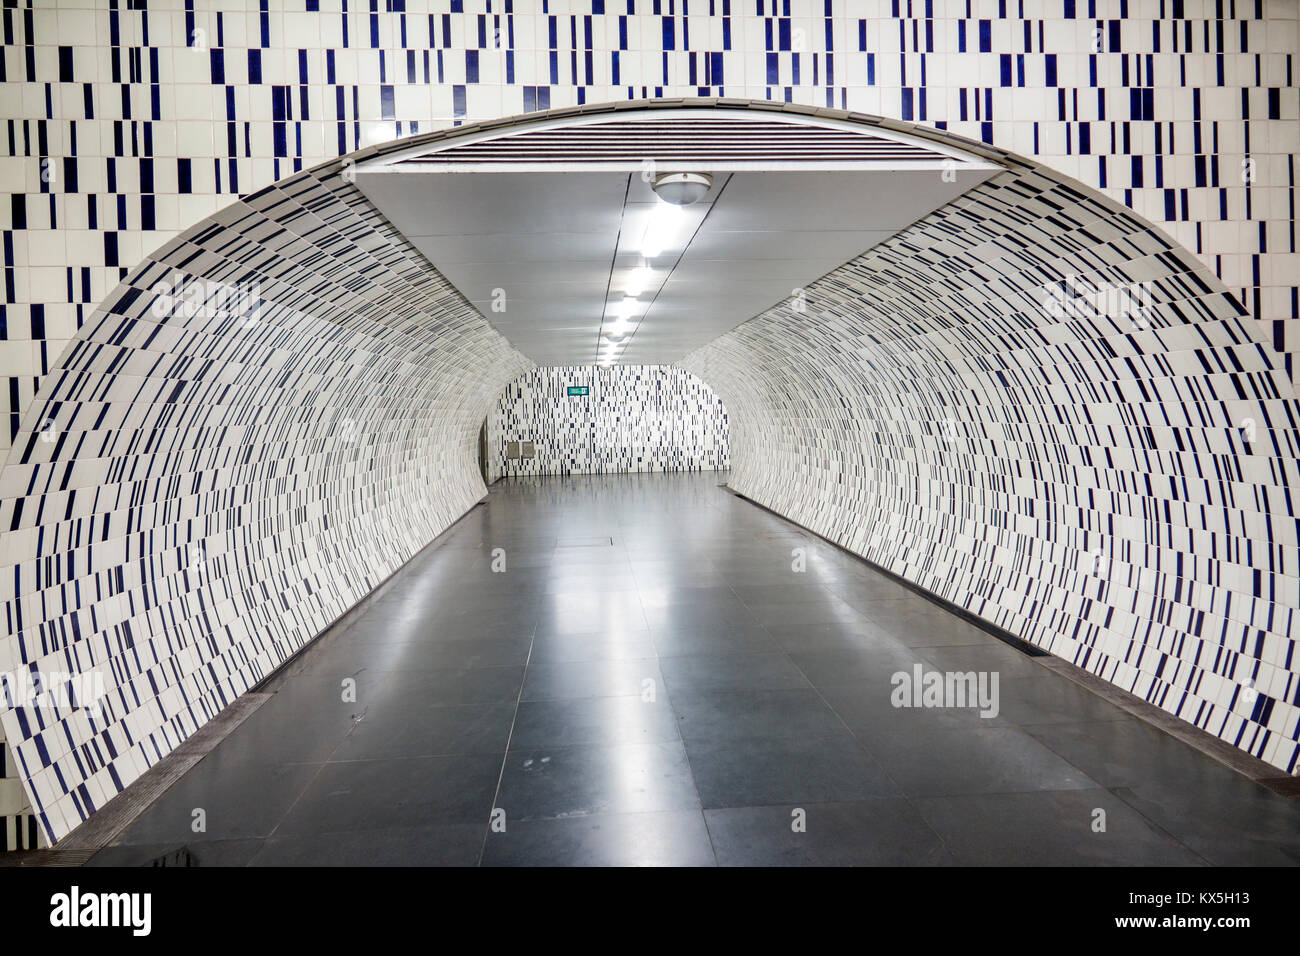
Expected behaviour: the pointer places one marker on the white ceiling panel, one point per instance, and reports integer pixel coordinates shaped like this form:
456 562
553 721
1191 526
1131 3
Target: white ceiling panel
847 201
563 246
557 247
532 275
700 269
776 245
472 204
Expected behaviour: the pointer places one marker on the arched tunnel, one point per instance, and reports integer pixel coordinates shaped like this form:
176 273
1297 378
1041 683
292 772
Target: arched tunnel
979 418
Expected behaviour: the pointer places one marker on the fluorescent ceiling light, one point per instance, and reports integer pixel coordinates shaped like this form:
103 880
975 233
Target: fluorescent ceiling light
626 307
637 281
662 229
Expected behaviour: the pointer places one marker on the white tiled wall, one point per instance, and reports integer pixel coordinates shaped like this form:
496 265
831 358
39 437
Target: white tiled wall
18 830
1117 486
634 418
207 483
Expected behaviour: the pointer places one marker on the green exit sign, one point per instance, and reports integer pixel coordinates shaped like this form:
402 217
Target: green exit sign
577 390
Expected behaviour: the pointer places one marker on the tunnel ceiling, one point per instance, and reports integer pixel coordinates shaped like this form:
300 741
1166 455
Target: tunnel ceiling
548 240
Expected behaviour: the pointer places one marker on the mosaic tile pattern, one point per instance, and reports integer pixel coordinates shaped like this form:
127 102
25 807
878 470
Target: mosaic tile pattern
634 418
1114 484
18 829
147 558
128 122
210 480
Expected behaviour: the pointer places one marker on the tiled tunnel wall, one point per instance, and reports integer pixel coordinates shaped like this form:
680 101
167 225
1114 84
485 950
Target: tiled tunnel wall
634 418
18 829
1110 478
126 123
210 479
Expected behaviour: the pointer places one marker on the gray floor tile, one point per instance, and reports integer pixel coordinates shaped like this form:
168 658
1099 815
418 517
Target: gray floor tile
714 716
1129 752
607 678
207 853
406 728
551 782
1049 699
463 685
216 795
1232 821
731 672
608 646
761 771
675 838
876 662
863 833
1051 828
868 708
402 792
603 721
973 760
453 844
995 655
717 639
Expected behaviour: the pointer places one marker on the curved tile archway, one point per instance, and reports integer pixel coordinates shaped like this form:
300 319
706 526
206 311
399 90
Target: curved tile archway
205 481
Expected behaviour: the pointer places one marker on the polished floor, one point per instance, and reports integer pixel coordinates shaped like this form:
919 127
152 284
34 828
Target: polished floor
646 679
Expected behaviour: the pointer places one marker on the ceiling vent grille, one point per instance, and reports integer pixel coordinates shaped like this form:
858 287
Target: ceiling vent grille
710 144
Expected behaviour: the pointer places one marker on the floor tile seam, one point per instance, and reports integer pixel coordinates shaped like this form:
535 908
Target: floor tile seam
690 769
883 769
505 757
1113 791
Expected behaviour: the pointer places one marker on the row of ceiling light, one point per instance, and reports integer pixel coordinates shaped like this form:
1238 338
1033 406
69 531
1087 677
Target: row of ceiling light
664 230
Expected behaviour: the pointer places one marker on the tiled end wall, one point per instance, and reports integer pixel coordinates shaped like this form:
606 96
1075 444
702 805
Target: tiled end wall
633 418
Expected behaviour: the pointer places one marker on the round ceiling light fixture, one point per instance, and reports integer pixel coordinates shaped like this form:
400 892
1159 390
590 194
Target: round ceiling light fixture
682 189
